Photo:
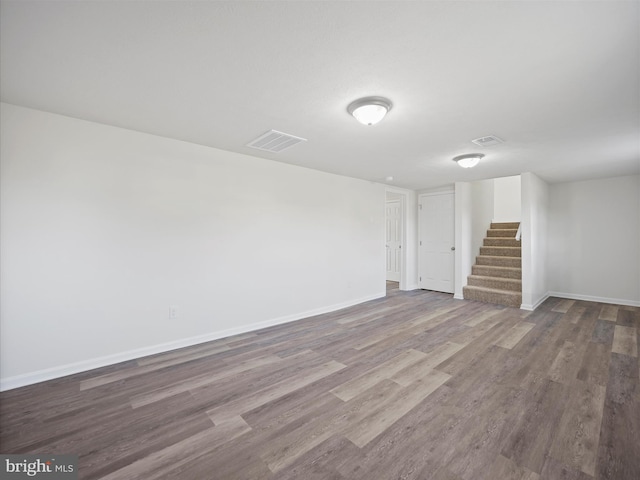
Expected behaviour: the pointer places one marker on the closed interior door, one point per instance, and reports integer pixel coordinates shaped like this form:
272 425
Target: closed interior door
436 242
394 240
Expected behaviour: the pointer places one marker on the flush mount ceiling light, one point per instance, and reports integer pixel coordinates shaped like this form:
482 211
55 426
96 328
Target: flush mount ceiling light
369 110
469 160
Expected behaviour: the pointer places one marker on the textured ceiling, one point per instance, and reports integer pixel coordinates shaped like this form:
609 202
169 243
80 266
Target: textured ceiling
558 81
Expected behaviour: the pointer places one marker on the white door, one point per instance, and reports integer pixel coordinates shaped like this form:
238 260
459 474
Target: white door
436 242
394 240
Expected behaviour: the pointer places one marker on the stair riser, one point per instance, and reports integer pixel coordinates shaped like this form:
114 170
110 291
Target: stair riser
501 242
499 261
511 233
508 299
504 226
497 283
491 271
501 251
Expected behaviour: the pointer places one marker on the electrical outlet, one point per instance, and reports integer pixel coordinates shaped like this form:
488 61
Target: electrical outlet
173 312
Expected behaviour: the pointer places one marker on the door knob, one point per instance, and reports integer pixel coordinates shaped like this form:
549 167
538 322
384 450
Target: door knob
453 248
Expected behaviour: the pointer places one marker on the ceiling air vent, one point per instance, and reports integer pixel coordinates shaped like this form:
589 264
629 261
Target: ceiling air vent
487 141
274 141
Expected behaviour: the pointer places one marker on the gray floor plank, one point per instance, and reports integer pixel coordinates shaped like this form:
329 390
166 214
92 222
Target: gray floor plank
416 385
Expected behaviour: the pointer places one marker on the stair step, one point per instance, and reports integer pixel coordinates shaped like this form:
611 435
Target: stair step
492 260
501 242
501 251
505 225
494 271
506 232
511 284
492 295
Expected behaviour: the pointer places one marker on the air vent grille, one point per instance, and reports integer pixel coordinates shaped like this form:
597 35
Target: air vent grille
275 142
487 141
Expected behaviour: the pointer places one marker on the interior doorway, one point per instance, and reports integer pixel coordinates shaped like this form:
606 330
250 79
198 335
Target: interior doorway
394 236
393 243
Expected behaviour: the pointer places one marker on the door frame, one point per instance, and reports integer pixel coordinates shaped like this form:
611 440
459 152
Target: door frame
409 235
402 235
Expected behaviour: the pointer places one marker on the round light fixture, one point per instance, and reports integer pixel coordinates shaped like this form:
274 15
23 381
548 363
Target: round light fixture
369 110
469 160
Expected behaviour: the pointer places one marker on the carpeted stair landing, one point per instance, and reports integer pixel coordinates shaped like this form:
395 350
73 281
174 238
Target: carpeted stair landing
497 275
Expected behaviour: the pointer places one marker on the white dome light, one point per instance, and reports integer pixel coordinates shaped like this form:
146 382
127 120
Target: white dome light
369 110
469 160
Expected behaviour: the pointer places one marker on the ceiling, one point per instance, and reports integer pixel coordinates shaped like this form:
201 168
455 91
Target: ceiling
558 81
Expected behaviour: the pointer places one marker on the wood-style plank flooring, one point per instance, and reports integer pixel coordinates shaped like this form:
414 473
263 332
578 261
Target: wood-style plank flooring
413 386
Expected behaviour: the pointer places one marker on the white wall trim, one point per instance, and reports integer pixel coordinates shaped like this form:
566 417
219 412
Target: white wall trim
413 286
504 221
463 254
85 365
586 298
592 298
531 307
458 297
443 192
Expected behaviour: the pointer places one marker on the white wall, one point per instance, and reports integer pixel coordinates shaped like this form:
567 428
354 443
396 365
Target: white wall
104 228
594 240
464 257
482 209
411 237
474 205
535 212
507 198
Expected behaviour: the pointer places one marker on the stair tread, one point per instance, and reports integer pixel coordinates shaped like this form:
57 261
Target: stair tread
503 261
492 295
501 251
497 271
494 290
504 225
501 242
499 266
502 279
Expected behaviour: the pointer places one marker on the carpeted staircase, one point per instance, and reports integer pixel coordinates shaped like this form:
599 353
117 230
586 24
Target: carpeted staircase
497 275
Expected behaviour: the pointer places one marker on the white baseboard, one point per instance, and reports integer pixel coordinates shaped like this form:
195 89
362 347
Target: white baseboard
531 307
591 298
413 286
458 296
17 381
